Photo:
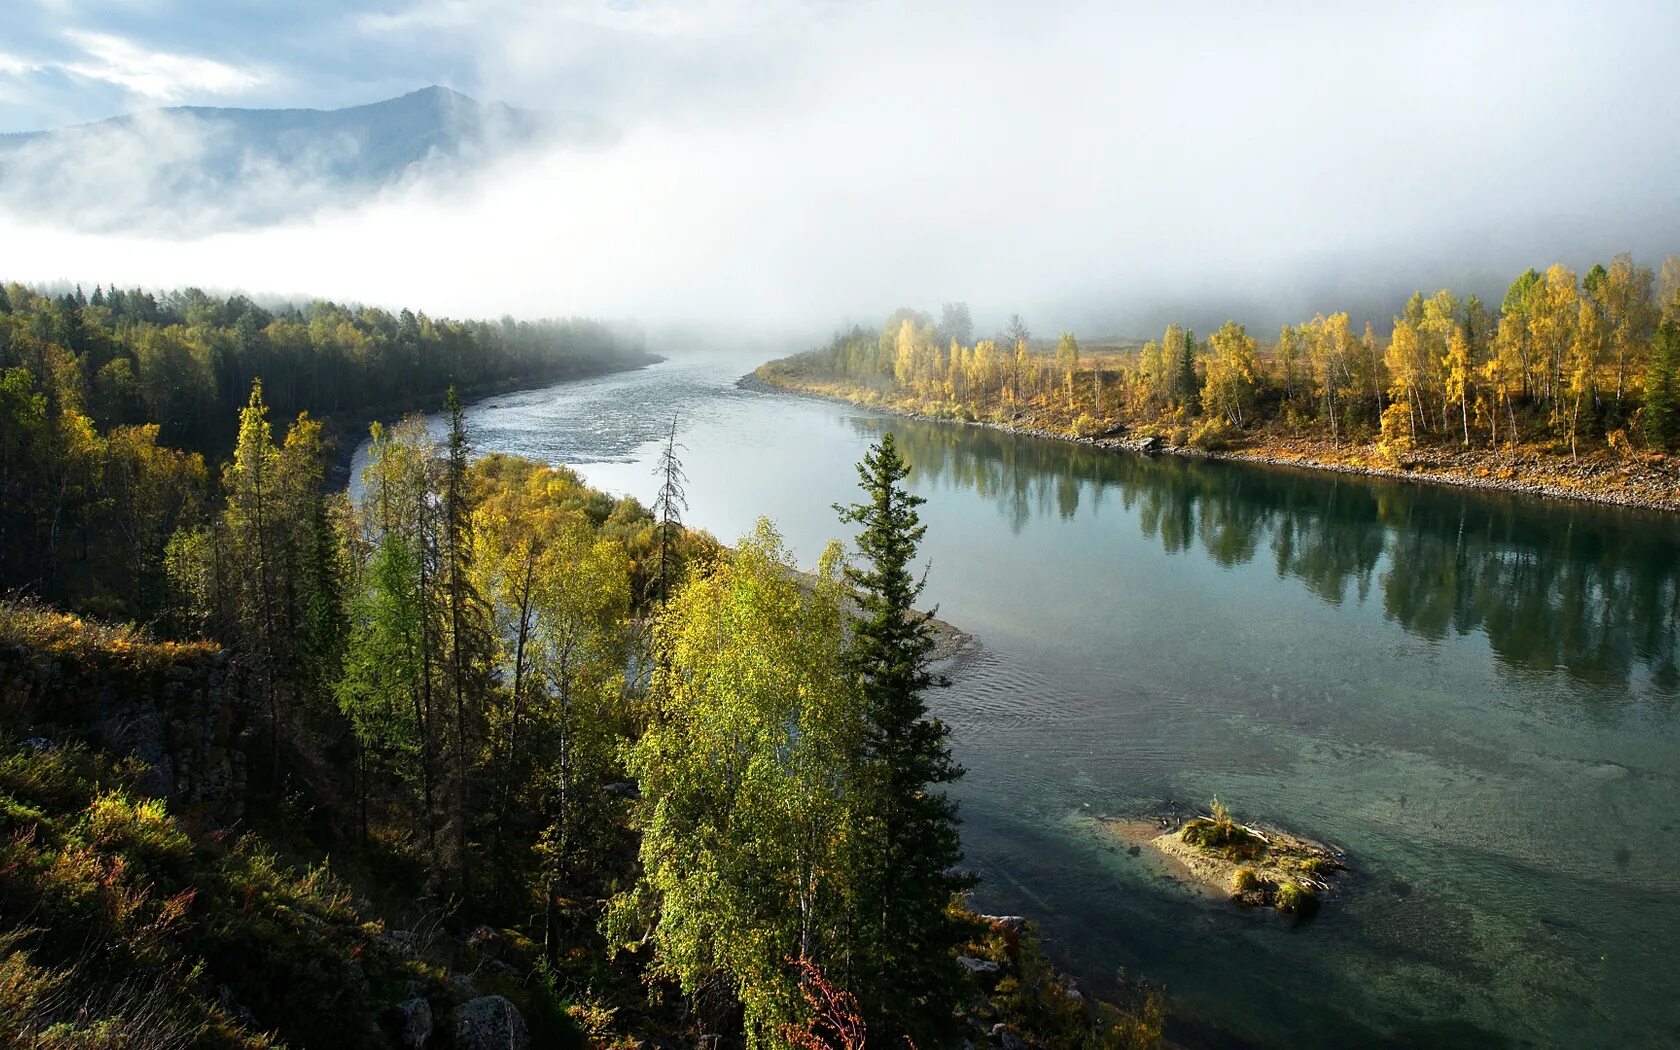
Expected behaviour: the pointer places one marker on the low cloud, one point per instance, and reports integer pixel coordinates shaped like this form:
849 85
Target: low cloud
1094 166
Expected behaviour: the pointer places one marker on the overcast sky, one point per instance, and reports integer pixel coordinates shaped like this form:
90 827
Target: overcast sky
1096 165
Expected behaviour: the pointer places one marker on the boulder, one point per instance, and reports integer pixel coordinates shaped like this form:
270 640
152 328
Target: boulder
489 1022
985 971
462 987
1008 1038
411 1023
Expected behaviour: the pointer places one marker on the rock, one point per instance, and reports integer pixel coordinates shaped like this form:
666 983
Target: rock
488 1022
462 987
404 941
1008 1038
411 1023
987 972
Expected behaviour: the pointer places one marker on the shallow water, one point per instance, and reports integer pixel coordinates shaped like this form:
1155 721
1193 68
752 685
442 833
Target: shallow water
1475 695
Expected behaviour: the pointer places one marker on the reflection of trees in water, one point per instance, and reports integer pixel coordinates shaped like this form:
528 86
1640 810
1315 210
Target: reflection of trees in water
1591 592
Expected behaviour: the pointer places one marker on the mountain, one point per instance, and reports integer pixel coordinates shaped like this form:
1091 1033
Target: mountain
190 168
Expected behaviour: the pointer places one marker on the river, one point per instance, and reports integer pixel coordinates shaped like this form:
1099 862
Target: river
1475 695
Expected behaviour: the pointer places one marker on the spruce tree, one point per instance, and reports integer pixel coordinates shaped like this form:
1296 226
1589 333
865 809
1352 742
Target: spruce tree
468 620
1187 385
1662 386
668 509
908 979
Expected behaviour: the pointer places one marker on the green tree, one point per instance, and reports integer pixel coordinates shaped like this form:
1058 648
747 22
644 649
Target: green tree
1186 386
468 627
581 601
379 692
751 786
907 979
668 508
1662 386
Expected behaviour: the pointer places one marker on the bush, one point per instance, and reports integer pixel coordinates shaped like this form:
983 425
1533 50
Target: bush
1244 880
1221 834
1296 898
1211 434
1397 426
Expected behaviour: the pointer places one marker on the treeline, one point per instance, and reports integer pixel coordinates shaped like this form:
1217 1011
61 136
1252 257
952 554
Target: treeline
108 405
1565 359
187 359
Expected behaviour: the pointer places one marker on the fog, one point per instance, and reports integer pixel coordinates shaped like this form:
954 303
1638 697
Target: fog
1099 167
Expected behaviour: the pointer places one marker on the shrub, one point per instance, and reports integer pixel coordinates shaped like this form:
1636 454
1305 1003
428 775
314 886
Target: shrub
1222 834
1211 434
1296 898
1244 880
1397 426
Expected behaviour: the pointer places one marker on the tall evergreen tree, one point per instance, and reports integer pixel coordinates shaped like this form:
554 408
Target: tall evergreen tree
468 620
909 980
1662 386
668 508
1187 387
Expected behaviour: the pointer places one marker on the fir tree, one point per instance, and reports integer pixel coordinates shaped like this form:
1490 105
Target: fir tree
908 980
1662 386
468 628
1187 385
668 508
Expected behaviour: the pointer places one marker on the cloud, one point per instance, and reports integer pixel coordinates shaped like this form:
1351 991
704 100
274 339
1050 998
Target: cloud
159 76
1095 165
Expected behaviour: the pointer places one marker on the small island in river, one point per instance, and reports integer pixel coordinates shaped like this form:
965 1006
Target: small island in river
1253 866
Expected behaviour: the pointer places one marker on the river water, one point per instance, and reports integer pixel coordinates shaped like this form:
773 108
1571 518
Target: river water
1476 695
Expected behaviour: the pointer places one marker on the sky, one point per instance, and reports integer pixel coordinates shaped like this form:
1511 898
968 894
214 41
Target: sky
805 164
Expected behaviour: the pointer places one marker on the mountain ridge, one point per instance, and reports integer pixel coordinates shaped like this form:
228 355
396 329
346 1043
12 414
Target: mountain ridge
246 166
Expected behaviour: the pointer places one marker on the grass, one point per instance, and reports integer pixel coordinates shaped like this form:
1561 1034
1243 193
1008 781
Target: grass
119 928
64 635
1220 834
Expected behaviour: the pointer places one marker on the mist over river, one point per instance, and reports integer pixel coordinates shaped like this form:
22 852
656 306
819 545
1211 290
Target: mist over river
1475 695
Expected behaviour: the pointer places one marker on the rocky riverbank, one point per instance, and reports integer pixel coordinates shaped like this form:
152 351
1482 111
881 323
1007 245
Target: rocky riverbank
1648 482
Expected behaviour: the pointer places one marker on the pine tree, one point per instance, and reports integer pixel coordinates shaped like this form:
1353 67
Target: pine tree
1186 387
668 508
1662 386
468 627
909 981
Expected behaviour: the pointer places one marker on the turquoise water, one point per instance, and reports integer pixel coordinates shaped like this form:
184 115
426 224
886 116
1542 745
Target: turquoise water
1476 696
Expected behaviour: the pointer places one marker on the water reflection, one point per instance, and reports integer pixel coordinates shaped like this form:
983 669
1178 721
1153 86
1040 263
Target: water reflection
1590 592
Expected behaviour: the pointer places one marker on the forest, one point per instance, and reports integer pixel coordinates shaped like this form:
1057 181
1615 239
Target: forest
486 743
1565 363
112 405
